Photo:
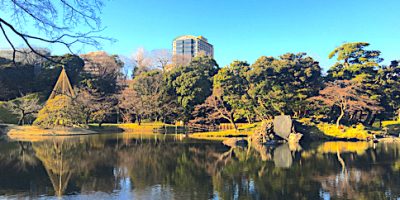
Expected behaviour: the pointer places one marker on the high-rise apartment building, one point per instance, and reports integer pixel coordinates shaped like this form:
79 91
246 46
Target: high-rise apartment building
186 47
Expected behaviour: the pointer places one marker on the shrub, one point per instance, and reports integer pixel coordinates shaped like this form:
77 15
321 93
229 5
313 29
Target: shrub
59 111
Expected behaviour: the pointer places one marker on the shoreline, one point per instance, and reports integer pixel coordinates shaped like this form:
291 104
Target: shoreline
33 132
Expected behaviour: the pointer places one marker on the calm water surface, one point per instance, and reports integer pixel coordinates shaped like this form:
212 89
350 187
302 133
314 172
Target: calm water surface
133 166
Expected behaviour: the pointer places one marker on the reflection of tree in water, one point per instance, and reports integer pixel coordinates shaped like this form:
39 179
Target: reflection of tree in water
84 160
343 173
356 180
59 160
179 165
199 170
20 158
19 168
250 176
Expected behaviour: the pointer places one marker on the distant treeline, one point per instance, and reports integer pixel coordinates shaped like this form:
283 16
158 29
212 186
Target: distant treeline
356 89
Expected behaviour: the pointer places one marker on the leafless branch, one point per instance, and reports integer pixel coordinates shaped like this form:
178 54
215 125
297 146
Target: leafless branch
58 29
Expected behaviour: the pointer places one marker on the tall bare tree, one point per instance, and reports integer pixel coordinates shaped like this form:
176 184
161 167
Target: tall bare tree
142 60
216 109
161 58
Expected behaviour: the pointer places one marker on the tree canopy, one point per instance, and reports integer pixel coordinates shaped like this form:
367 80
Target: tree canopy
193 83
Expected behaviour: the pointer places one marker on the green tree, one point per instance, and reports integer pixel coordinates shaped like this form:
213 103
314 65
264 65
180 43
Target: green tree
193 83
23 107
16 79
388 79
231 86
356 63
283 84
352 60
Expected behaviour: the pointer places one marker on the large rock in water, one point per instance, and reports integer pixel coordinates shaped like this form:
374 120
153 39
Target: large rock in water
283 126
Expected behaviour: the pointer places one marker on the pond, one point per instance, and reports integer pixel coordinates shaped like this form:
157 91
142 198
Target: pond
135 166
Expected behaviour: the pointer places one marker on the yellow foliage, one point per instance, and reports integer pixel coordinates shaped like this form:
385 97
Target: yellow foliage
59 111
358 132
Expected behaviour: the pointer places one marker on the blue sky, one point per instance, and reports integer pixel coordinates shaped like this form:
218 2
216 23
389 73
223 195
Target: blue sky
248 29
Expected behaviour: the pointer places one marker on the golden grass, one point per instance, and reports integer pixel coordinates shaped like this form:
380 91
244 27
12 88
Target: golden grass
16 131
147 127
391 127
391 122
358 132
220 135
245 130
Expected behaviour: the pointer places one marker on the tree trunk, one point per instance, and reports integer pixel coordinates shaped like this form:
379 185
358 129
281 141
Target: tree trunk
87 120
248 120
354 118
360 116
371 122
21 120
368 118
139 120
340 117
232 121
351 118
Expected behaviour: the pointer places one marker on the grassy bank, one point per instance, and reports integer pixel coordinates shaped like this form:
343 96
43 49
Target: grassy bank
27 131
358 132
243 131
147 127
324 131
391 127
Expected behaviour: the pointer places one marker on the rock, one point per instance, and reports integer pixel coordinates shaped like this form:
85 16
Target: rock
294 137
283 126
